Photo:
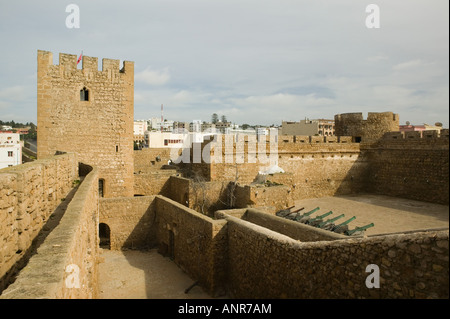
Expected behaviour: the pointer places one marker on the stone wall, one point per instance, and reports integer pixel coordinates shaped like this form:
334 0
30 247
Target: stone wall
200 195
153 183
99 130
65 265
130 220
405 165
29 194
265 264
151 172
315 166
295 230
410 165
196 243
277 197
148 160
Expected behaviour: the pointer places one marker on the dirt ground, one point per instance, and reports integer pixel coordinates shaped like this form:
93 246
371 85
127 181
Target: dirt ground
133 274
388 214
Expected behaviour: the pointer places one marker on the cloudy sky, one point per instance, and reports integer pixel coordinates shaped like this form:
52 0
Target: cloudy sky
256 62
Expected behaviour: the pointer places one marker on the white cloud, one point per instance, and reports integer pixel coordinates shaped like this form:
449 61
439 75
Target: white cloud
153 77
412 64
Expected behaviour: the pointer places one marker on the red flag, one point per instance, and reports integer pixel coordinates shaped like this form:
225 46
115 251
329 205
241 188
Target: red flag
79 59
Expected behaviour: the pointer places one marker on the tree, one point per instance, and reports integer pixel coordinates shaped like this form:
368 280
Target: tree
32 134
224 119
245 126
214 118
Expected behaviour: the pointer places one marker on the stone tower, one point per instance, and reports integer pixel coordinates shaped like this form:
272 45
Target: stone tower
366 131
88 112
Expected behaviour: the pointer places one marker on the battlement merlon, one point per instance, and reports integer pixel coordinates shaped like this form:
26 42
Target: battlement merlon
417 135
69 62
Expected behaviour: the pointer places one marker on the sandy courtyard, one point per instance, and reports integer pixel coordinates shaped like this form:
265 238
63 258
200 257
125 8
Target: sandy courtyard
389 214
133 274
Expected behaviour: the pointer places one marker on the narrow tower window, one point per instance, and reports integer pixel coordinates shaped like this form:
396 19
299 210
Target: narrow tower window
101 187
84 95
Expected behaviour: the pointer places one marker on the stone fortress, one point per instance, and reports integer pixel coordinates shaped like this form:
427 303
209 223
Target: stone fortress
216 221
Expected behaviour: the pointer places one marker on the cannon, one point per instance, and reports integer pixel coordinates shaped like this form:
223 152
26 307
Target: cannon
302 218
329 223
342 227
294 213
317 220
358 230
284 212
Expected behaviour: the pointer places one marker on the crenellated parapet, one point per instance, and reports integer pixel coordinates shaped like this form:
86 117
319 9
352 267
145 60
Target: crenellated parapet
415 139
68 62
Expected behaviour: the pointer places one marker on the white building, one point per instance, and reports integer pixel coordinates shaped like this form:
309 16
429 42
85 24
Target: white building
140 127
10 150
165 139
195 126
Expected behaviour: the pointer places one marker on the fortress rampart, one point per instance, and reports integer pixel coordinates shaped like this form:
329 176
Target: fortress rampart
229 254
29 194
410 165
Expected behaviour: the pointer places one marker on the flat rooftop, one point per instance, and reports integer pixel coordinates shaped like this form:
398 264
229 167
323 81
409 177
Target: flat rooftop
389 214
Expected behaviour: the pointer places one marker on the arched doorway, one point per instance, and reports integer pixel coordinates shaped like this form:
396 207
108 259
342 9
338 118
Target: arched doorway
104 232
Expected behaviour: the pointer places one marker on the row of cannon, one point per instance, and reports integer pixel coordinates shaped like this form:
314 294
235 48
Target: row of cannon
320 222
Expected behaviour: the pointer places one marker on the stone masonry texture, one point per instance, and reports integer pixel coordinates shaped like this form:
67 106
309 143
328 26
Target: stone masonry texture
99 130
29 194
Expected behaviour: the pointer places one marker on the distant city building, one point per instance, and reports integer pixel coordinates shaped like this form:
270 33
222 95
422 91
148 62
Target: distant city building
222 126
424 127
10 149
195 126
165 139
6 128
139 129
156 124
321 127
22 131
208 127
180 127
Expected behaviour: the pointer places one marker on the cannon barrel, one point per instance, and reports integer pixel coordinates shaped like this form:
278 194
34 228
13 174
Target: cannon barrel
321 216
342 227
303 217
317 220
284 212
359 230
346 222
329 221
297 210
311 211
